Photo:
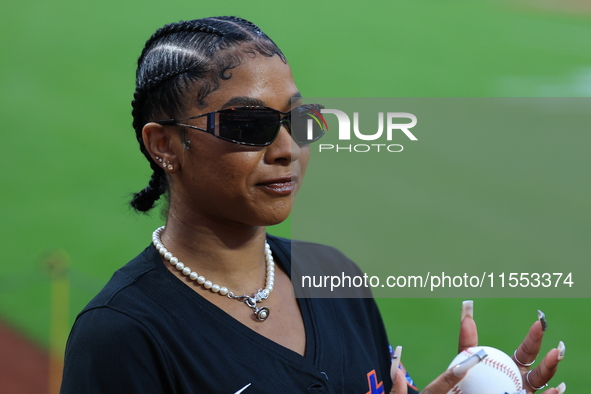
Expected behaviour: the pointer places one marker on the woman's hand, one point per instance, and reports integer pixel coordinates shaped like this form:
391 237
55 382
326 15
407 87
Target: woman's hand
533 379
442 384
525 355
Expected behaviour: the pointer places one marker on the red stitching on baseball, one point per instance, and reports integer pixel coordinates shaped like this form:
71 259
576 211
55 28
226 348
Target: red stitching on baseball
502 367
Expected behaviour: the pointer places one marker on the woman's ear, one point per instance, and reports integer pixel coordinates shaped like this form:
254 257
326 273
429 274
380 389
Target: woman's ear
162 144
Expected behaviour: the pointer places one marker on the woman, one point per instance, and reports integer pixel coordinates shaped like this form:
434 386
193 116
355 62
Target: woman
204 309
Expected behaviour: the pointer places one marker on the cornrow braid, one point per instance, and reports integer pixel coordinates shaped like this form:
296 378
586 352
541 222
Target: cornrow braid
157 186
151 83
183 26
146 198
187 60
254 27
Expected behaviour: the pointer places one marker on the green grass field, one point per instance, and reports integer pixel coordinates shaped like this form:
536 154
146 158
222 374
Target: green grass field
70 160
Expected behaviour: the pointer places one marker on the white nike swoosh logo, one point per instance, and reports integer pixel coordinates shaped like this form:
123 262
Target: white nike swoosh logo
242 389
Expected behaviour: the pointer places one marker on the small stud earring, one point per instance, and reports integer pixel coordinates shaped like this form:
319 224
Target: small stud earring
170 167
159 159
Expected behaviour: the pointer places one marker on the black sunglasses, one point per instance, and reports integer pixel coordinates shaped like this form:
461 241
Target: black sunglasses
259 126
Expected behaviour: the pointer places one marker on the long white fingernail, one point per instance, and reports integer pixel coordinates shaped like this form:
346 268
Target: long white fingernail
542 319
395 362
467 309
464 366
561 350
561 388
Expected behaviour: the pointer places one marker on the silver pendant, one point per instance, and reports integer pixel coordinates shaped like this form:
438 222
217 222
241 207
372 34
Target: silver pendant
261 313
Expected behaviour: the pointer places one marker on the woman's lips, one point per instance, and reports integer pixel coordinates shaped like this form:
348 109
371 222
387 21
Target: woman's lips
279 186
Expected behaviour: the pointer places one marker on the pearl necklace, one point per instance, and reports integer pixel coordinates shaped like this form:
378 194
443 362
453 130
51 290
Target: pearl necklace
261 313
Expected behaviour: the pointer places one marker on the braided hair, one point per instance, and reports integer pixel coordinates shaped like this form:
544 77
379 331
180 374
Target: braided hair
178 58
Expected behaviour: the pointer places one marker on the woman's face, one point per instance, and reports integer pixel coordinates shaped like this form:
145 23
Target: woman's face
236 184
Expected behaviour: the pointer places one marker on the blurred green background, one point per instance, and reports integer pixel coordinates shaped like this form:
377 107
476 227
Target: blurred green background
70 160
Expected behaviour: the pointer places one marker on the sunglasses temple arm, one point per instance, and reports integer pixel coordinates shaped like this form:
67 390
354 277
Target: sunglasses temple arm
321 117
192 127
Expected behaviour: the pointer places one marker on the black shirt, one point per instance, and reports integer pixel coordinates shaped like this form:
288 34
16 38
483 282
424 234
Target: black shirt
147 332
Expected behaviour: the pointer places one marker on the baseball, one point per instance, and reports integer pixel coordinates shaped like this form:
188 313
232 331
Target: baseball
495 374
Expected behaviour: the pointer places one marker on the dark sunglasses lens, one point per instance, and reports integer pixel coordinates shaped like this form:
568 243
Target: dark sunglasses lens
250 126
307 124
